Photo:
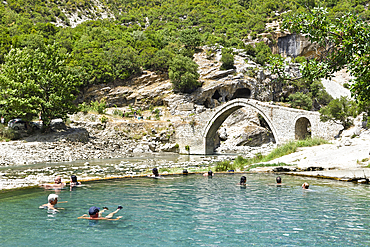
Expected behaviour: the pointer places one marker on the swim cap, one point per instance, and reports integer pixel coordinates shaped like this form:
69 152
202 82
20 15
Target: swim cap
93 210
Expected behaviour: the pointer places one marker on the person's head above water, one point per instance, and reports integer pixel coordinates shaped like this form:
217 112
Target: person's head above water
305 185
52 198
210 173
58 180
278 180
155 172
185 172
94 210
73 179
243 180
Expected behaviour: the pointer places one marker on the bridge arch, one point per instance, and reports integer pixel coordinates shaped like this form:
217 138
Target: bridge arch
302 127
220 116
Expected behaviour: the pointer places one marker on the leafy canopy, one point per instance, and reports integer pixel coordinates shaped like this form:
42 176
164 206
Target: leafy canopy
344 43
339 110
38 81
183 74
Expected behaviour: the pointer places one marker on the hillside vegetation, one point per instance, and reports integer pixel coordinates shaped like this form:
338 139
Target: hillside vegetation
124 37
142 34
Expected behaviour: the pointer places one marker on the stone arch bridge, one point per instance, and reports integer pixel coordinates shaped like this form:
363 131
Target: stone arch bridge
197 136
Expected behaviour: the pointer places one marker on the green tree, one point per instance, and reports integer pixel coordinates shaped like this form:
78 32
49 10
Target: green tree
183 74
263 53
190 38
300 100
340 110
227 59
38 81
344 43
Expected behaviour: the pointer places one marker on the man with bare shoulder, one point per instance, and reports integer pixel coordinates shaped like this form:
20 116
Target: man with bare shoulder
52 203
96 214
278 181
57 184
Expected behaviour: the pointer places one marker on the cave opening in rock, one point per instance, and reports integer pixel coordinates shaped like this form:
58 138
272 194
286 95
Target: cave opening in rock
302 128
242 93
216 95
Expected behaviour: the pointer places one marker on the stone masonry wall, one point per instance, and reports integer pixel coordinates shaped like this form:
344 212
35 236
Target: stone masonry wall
199 134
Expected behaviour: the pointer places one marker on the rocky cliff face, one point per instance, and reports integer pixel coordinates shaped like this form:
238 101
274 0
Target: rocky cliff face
295 45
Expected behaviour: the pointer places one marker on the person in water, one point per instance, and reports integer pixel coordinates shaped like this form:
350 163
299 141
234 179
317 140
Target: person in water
74 182
57 184
208 174
305 186
243 180
96 214
155 172
278 181
52 203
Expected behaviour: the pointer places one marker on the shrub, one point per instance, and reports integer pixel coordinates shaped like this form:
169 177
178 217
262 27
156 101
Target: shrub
83 108
99 107
224 166
183 74
339 110
300 59
250 50
227 60
263 53
187 148
239 162
9 133
117 112
190 38
300 100
323 97
104 119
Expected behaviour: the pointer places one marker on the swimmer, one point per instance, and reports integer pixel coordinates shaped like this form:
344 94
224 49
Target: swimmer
57 184
278 181
96 214
52 203
74 182
305 186
243 181
208 174
185 172
155 173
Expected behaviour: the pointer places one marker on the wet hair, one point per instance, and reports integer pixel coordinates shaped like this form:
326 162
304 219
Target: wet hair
278 180
210 173
243 180
305 185
185 172
74 179
155 172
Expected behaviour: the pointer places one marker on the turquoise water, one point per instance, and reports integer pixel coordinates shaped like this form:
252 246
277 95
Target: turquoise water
193 211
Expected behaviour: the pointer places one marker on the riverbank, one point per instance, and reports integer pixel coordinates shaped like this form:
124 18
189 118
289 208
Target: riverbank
345 159
92 152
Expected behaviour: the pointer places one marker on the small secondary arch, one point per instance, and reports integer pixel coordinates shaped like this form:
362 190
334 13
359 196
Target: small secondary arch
302 128
209 134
